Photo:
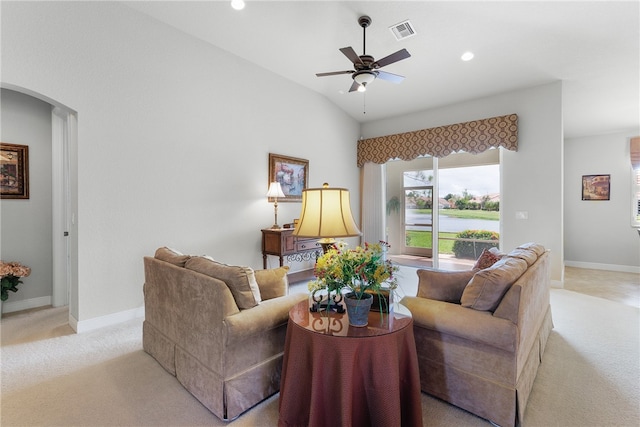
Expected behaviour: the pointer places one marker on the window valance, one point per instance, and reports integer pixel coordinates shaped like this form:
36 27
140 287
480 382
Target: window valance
472 137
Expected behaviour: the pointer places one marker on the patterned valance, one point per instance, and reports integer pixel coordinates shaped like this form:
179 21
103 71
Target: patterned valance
472 137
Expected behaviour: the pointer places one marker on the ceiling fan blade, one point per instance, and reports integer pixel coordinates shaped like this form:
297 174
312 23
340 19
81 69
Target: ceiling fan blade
394 57
351 54
334 73
390 77
354 87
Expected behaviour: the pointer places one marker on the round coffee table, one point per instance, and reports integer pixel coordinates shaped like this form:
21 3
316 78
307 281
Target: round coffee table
337 374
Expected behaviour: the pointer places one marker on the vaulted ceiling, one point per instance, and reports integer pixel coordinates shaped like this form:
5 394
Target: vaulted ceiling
593 47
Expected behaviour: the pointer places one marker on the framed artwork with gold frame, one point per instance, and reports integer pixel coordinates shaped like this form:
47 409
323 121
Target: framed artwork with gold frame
14 171
292 173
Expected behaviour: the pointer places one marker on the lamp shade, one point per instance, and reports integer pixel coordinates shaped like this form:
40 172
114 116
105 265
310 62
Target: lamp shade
275 190
326 212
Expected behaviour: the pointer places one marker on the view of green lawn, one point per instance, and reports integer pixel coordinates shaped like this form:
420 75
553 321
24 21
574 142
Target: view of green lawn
465 214
423 239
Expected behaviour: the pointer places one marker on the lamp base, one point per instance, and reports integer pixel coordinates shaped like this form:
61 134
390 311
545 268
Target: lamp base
327 243
275 227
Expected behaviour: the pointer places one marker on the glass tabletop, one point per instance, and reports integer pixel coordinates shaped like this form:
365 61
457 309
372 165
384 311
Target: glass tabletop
337 324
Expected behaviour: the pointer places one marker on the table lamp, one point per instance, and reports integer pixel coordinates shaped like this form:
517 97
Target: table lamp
274 192
326 213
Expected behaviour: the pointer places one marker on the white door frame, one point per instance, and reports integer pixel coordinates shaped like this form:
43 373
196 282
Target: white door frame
61 207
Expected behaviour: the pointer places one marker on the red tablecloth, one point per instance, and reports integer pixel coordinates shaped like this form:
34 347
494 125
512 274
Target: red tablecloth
334 374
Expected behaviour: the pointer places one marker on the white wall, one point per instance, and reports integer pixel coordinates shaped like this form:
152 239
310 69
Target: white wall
26 224
173 139
598 234
531 177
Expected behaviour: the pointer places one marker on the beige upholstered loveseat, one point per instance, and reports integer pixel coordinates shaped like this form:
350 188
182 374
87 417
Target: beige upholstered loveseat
481 334
219 329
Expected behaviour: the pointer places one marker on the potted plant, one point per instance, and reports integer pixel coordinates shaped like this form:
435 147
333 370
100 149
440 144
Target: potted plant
361 272
10 275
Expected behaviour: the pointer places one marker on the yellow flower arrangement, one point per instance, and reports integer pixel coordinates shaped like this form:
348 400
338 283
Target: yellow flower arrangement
357 270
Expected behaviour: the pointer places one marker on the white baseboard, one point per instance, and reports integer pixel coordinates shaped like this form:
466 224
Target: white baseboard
81 326
25 304
78 326
608 267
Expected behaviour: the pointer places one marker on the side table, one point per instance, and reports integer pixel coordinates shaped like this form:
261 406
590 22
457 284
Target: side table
335 374
281 242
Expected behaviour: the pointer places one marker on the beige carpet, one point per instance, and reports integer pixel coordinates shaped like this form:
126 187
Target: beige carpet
590 375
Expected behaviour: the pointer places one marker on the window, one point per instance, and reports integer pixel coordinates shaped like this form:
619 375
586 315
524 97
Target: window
418 212
470 213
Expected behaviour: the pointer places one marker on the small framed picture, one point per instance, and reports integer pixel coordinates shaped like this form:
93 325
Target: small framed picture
14 171
292 174
596 187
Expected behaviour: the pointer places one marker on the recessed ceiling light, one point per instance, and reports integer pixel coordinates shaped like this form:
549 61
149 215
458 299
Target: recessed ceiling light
467 56
237 4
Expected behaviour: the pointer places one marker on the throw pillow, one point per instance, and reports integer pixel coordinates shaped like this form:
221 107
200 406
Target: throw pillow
486 260
171 256
487 287
240 280
273 282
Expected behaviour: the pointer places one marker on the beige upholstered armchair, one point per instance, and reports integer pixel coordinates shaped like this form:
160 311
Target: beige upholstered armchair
219 329
480 334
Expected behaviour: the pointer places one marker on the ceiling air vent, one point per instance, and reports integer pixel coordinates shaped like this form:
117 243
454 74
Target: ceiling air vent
403 30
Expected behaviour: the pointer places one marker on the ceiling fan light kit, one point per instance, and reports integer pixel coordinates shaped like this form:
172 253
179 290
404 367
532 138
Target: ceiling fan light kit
366 68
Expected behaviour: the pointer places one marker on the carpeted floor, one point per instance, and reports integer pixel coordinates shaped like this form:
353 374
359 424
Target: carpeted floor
590 375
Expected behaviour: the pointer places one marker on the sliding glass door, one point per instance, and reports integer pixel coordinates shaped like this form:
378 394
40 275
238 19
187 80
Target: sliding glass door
446 209
418 212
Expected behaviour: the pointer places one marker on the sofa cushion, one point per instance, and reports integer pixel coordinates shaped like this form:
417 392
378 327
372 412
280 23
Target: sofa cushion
240 280
527 255
443 285
272 282
486 260
487 287
171 256
536 247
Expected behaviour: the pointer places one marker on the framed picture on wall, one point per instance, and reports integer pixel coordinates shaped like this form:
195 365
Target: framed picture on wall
596 187
292 174
14 171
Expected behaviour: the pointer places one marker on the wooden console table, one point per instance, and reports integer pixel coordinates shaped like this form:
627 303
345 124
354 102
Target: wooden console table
281 242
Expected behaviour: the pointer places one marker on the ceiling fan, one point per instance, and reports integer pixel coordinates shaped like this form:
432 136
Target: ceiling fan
366 68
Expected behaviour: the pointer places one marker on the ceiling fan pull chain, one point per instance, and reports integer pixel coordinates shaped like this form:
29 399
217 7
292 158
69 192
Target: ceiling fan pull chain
364 103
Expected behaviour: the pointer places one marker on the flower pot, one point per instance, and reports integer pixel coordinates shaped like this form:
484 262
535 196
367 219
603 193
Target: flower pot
358 309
